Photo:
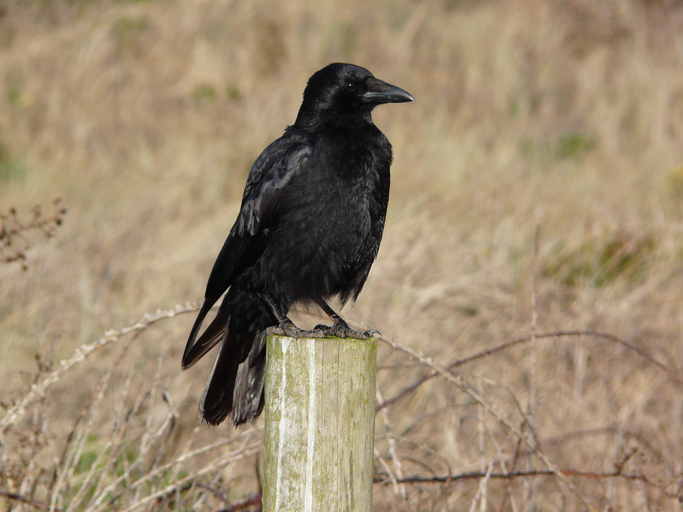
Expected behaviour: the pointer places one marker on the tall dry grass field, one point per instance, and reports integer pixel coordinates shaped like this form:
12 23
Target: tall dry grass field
537 188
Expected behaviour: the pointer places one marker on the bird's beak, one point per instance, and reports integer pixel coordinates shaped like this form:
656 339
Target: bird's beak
382 92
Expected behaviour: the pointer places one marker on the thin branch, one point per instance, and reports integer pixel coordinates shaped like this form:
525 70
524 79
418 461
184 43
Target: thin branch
457 380
391 440
610 429
218 493
106 493
461 384
673 374
476 475
217 464
251 501
26 501
84 351
16 233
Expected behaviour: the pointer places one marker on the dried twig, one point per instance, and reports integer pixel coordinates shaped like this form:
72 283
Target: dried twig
26 501
609 429
461 384
15 231
251 501
84 351
673 374
476 475
391 440
220 462
218 493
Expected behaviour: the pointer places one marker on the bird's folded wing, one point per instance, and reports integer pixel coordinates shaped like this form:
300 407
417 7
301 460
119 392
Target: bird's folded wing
269 175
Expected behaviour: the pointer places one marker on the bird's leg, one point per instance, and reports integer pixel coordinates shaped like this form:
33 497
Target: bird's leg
340 328
283 321
338 320
285 325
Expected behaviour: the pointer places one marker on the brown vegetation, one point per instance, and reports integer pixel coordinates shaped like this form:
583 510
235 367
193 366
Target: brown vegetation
537 188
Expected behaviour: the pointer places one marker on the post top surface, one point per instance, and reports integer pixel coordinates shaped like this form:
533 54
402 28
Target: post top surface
282 338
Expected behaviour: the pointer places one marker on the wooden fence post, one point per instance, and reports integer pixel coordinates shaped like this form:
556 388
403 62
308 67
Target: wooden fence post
319 424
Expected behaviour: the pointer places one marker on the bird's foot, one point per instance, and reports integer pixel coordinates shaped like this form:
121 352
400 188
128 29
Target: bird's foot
288 328
341 329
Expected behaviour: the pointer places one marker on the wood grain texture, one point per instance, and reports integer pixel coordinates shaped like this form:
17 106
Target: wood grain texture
319 424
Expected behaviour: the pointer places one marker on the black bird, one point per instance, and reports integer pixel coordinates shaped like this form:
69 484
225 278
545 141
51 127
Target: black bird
309 228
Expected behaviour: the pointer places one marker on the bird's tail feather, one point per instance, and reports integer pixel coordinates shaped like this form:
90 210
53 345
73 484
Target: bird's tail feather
237 378
248 393
217 401
214 333
235 386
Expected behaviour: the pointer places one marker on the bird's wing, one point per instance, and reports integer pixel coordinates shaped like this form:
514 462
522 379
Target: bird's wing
269 175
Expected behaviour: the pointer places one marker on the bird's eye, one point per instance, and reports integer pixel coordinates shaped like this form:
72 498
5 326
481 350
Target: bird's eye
349 84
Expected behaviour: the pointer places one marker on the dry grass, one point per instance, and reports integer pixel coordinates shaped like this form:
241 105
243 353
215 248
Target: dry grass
537 186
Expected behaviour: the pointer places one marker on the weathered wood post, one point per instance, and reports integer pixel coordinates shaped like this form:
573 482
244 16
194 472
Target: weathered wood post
319 424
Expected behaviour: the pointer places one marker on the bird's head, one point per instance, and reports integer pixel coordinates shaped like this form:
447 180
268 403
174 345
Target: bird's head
346 90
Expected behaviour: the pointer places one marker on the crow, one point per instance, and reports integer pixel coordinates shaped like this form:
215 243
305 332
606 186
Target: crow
308 229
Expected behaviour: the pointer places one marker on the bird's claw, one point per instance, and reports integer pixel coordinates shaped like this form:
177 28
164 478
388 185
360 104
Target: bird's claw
289 329
338 330
343 330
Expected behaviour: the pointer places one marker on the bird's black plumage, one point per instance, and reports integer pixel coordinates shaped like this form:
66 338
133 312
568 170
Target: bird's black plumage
309 228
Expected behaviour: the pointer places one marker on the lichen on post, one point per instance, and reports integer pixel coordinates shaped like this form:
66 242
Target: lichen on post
319 424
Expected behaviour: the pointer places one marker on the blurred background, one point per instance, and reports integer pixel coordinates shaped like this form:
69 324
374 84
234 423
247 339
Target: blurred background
537 187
